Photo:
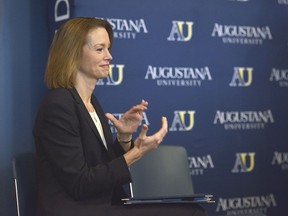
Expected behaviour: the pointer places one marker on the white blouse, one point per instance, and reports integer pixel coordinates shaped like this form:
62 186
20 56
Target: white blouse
98 125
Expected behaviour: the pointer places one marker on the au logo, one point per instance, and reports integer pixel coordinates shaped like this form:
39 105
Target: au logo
244 162
181 31
183 121
281 158
115 76
242 77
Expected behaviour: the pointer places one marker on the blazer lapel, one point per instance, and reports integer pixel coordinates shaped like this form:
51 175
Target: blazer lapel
85 112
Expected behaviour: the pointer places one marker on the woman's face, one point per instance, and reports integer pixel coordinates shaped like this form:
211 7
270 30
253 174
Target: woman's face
95 59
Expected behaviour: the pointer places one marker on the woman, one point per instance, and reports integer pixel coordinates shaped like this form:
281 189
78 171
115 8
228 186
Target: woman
81 170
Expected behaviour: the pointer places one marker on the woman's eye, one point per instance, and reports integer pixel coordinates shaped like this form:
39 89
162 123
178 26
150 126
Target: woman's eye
99 49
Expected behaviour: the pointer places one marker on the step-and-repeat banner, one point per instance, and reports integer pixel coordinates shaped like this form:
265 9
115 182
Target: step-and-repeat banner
218 70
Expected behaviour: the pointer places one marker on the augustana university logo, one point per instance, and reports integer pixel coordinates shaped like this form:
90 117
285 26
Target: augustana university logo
115 76
245 162
251 205
127 28
181 31
178 76
244 35
243 120
198 164
182 121
242 77
280 76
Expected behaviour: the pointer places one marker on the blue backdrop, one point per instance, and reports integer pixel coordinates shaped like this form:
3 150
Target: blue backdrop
23 55
218 70
229 109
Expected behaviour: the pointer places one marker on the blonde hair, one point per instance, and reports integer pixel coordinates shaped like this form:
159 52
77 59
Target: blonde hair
66 49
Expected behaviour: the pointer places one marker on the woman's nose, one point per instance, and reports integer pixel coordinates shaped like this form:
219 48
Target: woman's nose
108 55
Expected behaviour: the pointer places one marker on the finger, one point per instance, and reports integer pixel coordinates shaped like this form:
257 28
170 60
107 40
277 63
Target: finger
142 106
164 123
164 128
143 131
144 103
139 108
162 132
111 118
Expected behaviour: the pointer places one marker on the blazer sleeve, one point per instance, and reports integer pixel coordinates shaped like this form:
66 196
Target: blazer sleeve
57 133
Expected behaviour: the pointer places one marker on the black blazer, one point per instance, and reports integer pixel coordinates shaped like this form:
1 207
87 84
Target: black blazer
77 175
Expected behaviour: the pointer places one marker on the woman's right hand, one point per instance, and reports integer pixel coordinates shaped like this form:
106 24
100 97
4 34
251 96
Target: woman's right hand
144 143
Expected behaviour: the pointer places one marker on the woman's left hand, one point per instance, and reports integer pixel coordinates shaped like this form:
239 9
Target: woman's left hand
130 121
